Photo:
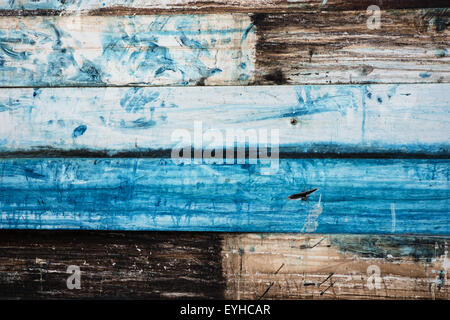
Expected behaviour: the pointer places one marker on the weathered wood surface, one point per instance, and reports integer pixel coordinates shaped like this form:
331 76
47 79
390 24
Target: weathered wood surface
275 266
338 47
126 265
363 196
144 50
367 120
57 7
225 49
146 43
113 265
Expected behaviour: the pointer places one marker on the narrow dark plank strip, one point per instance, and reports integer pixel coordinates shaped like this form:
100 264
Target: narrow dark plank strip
115 7
368 196
316 152
126 265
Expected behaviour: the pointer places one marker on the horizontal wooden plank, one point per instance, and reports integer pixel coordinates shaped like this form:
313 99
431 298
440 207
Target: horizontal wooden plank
144 50
354 120
274 266
362 196
57 7
124 265
339 47
113 265
411 46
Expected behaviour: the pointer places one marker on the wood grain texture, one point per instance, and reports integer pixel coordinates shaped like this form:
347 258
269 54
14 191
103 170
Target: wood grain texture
145 50
367 120
363 196
225 49
275 266
113 265
338 47
143 265
57 7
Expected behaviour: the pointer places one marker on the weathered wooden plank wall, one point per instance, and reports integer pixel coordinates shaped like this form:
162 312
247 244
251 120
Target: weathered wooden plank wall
314 120
394 104
214 266
355 195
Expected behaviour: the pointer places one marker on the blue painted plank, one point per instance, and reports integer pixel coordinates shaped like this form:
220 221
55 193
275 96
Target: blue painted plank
396 119
354 196
146 50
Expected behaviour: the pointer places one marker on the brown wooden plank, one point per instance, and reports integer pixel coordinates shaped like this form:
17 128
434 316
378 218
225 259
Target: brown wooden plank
411 46
113 265
276 266
338 47
127 265
139 7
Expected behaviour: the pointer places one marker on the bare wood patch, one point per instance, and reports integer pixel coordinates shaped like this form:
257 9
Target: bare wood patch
338 47
335 267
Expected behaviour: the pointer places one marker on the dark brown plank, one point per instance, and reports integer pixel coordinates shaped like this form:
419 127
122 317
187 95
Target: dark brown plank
126 265
329 47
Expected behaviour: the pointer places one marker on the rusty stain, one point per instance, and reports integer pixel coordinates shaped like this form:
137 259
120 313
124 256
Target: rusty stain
302 195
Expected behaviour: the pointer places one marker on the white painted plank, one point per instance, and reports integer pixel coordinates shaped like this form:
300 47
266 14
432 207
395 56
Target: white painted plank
139 6
341 119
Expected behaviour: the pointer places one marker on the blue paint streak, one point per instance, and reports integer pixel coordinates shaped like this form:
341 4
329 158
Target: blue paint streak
440 53
145 55
247 31
135 99
424 75
79 131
